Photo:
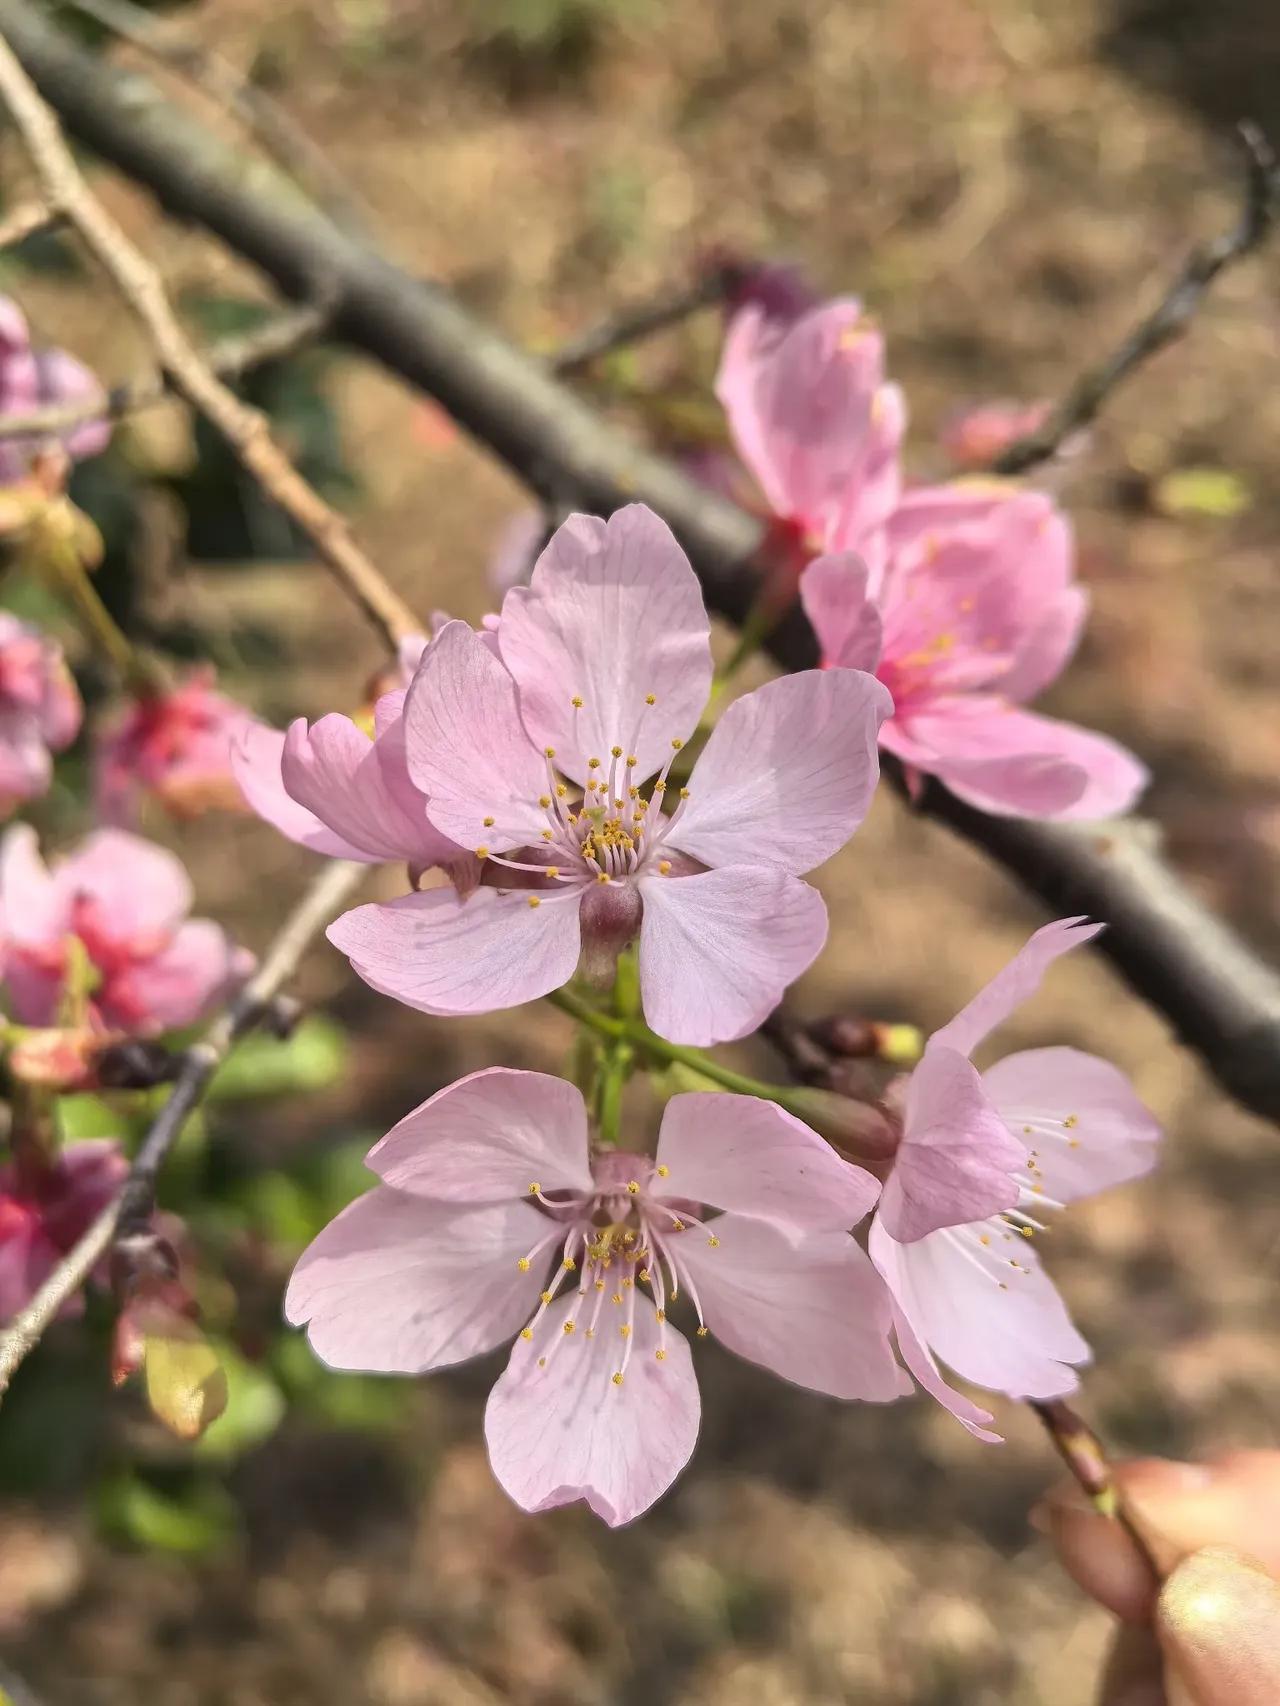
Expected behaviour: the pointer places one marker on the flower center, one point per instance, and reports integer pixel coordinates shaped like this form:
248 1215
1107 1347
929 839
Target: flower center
986 1244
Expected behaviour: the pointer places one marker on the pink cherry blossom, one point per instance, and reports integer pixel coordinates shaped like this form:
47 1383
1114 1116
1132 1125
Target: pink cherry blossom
539 759
44 1210
973 612
173 746
31 379
40 710
107 929
974 437
983 1158
495 1219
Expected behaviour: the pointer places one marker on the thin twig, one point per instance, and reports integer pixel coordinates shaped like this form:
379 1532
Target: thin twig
630 325
276 132
140 284
230 358
1082 1451
327 894
24 221
1084 401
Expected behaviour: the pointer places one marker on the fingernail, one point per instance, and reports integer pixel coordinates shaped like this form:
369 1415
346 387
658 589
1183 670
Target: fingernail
1219 1621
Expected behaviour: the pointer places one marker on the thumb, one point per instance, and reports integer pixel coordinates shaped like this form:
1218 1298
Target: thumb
1218 1621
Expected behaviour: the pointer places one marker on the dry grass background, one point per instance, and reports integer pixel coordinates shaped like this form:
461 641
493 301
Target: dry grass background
1002 180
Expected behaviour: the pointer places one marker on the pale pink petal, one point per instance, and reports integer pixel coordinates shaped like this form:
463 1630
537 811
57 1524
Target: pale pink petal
1047 647
255 764
25 765
32 910
809 1307
444 955
1015 983
400 1285
1078 1115
920 1362
335 771
718 949
493 1134
858 521
565 1432
1009 1334
833 591
788 772
467 749
191 974
63 379
136 888
754 1158
613 615
956 1158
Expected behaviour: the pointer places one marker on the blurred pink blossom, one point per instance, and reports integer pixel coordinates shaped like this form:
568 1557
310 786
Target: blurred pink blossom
537 760
494 1220
974 437
173 746
974 610
982 1158
31 379
40 710
104 937
44 1210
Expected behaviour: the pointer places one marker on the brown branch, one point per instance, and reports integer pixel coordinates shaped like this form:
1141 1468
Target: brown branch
1082 1451
328 893
1222 1000
630 325
1168 321
231 358
140 284
24 221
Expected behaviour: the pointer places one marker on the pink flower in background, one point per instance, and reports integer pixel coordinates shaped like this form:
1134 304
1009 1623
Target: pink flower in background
974 437
45 1209
40 710
815 422
983 1158
974 611
538 760
31 379
494 1220
173 746
107 931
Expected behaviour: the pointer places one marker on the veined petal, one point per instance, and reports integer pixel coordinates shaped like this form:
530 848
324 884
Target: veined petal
788 773
957 1157
1016 983
444 955
255 764
334 770
1010 1335
613 616
833 591
810 1308
718 949
1078 1115
466 747
754 1158
565 1431
400 1285
490 1135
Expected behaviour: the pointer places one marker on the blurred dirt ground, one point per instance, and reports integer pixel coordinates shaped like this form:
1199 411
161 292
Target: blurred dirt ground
1004 181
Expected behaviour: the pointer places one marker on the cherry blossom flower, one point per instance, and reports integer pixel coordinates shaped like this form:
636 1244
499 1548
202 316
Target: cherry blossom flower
104 937
35 379
539 759
45 1209
173 746
974 437
983 1158
975 611
494 1220
40 710
814 420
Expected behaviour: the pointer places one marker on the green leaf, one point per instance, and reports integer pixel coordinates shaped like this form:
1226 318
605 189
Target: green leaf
313 1058
201 1520
254 1409
86 1116
1211 492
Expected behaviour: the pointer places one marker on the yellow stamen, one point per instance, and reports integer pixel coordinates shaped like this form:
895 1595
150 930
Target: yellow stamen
523 1264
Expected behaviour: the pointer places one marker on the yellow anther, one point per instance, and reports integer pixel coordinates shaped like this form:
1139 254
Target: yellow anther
590 1333
703 1331
542 1362
561 790
488 823
660 1356
544 800
632 761
651 699
676 745
546 835
714 1242
617 1297
628 1237
633 1185
684 793
1026 1131
569 1265
568 1327
1071 1120
663 1171
625 1331
628 1284
617 1378
482 852
1028 1232
593 764
616 751
549 751
523 1264
1073 1143
599 1285
553 870
576 701
985 1238
664 867
526 1332
662 1314
602 876
546 1296
659 787
677 1225
534 1188
534 901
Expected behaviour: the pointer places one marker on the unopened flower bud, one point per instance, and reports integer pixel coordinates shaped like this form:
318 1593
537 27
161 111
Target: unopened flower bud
860 1131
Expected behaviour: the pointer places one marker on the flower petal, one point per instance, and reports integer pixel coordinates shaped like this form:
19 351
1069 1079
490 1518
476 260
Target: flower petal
957 1157
754 1158
400 1285
1011 1335
32 910
718 949
139 888
565 1431
466 747
614 616
811 1309
255 764
920 1362
334 770
195 969
1016 983
833 591
788 773
1079 1115
488 1136
444 955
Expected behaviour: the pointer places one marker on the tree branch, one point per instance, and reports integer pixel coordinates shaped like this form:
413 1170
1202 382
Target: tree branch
630 325
1223 1001
328 893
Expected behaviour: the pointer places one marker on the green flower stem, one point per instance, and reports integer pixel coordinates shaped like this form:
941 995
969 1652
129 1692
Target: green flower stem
136 671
